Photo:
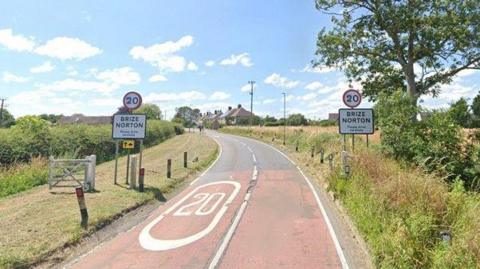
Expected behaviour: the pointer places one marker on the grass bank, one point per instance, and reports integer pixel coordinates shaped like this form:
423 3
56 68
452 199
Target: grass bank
23 150
401 211
36 223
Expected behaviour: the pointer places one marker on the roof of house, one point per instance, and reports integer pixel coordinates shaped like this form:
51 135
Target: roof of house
236 112
332 116
82 119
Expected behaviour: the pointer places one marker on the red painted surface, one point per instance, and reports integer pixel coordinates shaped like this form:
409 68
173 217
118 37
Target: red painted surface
125 251
281 228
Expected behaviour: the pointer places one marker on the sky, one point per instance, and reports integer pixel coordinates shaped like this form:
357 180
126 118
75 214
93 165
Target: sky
67 57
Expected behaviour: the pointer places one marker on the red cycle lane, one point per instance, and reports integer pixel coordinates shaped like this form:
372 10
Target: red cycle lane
282 227
183 233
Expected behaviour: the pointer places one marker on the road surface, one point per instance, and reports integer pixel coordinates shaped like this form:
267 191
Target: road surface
253 208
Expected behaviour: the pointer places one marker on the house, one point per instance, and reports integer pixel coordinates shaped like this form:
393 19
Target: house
82 119
235 116
333 116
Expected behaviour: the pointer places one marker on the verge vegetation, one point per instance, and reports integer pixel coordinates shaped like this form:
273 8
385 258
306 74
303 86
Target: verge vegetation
401 210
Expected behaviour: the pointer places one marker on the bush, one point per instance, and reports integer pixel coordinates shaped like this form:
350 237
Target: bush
33 137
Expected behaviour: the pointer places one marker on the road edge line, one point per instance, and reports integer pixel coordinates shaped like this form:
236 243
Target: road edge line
336 242
211 165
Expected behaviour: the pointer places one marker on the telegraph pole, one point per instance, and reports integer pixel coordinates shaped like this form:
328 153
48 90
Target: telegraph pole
284 116
252 83
1 111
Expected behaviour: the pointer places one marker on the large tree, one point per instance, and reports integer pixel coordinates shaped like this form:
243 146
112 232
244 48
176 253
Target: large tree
186 115
6 119
415 45
152 111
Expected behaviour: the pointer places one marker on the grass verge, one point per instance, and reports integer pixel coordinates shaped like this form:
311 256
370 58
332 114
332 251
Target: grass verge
400 210
35 223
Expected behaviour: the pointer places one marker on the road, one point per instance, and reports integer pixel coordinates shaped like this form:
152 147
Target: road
253 208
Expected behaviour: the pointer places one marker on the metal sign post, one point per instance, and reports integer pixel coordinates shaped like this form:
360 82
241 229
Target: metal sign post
116 162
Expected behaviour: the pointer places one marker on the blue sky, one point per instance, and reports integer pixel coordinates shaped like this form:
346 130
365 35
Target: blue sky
81 57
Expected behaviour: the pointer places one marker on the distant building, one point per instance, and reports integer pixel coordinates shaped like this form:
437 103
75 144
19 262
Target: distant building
82 119
333 116
233 116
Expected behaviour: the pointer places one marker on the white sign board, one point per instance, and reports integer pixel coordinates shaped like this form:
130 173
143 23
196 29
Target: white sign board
129 126
356 121
352 98
132 100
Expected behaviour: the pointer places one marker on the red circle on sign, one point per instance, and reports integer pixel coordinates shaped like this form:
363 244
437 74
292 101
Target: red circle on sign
132 103
352 103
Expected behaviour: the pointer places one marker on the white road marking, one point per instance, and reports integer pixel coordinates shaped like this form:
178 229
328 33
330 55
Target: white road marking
254 158
148 242
226 240
214 162
338 248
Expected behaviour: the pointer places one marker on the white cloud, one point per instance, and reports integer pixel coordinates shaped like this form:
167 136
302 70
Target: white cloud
192 66
289 97
219 95
71 71
15 42
314 86
157 78
163 55
248 87
307 97
12 78
68 85
43 68
168 97
269 101
281 82
467 72
67 48
119 76
210 63
318 69
242 59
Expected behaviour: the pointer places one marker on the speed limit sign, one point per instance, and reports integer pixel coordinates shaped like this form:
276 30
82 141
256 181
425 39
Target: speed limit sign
132 100
352 98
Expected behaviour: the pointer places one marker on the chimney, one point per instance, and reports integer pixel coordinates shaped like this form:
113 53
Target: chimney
239 105
229 108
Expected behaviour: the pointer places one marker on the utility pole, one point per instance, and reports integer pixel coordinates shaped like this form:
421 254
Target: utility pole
284 116
1 111
252 83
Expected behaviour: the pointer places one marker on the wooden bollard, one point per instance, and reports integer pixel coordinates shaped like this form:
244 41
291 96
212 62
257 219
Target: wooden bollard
330 161
83 207
296 147
141 180
169 168
322 152
313 152
133 171
185 159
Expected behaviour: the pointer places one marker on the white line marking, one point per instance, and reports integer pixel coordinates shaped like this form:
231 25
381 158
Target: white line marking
338 248
214 162
249 149
226 240
148 242
254 158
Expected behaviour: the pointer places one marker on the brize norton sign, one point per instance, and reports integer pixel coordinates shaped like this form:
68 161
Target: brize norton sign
129 126
356 121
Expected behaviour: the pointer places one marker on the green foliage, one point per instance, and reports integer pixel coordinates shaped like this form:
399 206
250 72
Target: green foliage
476 105
459 112
152 111
33 137
381 43
187 116
23 177
6 119
256 120
50 117
296 120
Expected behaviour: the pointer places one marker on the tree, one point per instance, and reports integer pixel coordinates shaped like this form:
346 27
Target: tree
186 115
413 45
296 120
152 111
459 112
50 117
7 119
476 106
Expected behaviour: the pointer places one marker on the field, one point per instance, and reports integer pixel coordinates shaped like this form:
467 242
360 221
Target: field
400 210
36 223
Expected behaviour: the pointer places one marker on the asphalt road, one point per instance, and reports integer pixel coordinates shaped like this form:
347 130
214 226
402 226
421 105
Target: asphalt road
253 208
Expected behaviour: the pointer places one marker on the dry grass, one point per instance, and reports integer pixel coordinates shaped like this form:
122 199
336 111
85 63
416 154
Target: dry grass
36 222
399 209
